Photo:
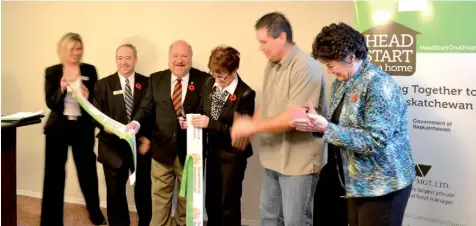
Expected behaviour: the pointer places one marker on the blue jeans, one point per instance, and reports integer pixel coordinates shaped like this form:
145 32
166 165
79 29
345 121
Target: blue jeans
286 200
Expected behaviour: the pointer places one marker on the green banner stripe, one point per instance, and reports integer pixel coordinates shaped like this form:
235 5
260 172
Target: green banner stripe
186 188
445 27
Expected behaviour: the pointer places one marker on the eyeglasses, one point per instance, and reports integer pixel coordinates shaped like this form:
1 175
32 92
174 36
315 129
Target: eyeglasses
219 77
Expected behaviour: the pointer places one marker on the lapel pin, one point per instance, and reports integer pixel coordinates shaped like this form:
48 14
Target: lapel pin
355 97
191 87
232 98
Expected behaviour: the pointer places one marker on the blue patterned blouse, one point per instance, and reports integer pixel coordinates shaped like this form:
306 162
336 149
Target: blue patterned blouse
372 133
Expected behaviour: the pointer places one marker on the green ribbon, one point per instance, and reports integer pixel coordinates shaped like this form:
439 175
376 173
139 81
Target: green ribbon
112 125
191 186
186 188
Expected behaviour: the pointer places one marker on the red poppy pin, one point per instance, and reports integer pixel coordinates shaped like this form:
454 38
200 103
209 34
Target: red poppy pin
355 97
232 98
191 87
138 86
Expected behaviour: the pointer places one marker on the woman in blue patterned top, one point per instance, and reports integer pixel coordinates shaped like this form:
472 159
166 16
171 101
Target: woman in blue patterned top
367 131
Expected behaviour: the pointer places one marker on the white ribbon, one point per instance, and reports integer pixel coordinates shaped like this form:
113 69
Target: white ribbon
192 177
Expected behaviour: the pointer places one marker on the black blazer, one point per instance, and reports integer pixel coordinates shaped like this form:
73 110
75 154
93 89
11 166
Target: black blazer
168 139
218 131
112 150
56 122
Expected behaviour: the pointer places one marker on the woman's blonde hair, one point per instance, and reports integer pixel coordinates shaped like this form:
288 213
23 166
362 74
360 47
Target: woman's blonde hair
64 42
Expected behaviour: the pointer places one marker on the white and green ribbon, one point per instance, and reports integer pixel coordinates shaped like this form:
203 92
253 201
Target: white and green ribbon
112 125
192 176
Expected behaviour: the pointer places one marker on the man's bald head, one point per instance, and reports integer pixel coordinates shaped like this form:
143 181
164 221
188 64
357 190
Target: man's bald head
181 43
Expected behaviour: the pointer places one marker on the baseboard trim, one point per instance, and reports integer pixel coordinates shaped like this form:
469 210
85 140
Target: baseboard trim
132 208
67 199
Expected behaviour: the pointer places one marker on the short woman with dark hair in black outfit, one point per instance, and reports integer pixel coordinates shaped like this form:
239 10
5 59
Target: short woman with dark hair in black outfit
224 94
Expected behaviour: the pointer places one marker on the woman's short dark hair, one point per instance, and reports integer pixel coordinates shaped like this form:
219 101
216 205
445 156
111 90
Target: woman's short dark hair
224 59
337 41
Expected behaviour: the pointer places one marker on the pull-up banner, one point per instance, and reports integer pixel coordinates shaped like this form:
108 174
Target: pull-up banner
429 47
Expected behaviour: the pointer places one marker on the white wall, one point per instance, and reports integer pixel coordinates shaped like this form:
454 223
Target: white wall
30 31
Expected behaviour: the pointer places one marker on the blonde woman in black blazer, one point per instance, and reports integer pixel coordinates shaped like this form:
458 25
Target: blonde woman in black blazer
69 125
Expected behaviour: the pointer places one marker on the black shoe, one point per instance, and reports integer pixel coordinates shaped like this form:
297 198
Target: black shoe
99 220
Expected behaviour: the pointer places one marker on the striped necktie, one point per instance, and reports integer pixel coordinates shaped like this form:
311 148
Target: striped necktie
177 96
128 100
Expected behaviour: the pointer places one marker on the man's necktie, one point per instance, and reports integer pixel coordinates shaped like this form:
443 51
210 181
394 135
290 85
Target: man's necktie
177 96
128 100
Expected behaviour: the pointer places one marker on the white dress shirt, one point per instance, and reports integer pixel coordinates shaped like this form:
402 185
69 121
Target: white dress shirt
122 79
71 106
184 85
230 88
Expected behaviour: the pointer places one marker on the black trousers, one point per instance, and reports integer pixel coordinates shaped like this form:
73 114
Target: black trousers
330 208
143 189
117 207
116 182
81 140
387 210
225 172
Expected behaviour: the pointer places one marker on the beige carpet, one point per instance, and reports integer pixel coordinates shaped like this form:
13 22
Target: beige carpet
29 210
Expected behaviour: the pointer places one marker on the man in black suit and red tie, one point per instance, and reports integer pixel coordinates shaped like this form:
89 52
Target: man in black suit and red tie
119 96
171 95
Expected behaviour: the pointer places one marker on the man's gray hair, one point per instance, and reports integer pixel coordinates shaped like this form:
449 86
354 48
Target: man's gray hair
130 46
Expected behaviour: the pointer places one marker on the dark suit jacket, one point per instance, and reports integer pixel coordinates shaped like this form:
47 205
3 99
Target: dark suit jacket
112 150
218 131
168 139
56 122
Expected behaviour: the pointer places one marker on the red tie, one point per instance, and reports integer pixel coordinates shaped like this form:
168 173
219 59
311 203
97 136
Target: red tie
177 96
